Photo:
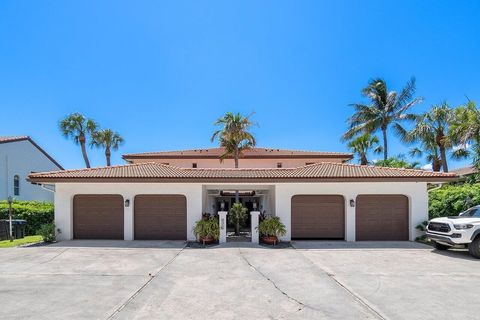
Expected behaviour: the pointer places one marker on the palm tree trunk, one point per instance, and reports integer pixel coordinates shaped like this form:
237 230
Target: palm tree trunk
84 151
363 160
107 155
385 144
443 155
237 195
436 164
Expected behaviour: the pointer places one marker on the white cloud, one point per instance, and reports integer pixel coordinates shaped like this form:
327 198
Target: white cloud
428 166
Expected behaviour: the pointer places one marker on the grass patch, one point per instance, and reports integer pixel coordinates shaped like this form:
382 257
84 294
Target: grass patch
18 242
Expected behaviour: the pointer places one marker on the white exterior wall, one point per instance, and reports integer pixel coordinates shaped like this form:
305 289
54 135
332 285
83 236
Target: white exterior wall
244 162
415 191
280 195
66 191
21 158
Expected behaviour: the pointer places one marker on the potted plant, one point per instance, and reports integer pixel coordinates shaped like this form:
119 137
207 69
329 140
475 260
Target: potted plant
207 230
270 228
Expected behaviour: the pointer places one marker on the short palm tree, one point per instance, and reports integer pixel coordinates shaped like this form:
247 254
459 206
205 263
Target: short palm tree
107 139
465 131
77 127
362 145
234 137
386 108
429 149
433 126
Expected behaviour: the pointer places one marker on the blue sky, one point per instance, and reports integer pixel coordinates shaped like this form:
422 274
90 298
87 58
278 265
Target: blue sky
161 72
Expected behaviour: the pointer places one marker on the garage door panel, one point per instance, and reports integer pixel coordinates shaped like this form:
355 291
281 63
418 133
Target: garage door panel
98 217
382 217
160 217
318 217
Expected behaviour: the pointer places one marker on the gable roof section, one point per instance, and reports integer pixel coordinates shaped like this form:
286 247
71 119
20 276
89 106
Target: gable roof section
465 171
254 153
9 139
319 172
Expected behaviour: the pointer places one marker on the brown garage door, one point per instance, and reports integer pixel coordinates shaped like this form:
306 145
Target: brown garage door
160 217
98 216
382 217
318 217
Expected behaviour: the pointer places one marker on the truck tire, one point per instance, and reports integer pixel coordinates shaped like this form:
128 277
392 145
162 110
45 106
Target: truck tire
440 246
474 248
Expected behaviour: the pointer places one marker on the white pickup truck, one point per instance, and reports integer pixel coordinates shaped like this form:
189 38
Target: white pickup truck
463 229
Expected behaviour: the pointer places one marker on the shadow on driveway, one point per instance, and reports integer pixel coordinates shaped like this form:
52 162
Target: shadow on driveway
120 244
339 245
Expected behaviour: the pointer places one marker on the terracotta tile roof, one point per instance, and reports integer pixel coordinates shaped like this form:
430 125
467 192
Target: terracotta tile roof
252 153
8 139
464 171
155 172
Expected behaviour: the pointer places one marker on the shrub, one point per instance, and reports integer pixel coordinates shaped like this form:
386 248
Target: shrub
34 212
47 231
271 226
207 227
450 200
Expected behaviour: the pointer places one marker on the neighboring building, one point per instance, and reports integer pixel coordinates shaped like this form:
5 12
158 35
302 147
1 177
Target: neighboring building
324 200
465 172
252 158
20 156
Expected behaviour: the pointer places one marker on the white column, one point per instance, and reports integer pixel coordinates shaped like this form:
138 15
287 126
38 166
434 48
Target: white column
128 217
254 223
350 217
222 216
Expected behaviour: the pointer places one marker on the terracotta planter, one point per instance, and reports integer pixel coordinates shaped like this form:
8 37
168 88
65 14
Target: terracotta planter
207 240
272 240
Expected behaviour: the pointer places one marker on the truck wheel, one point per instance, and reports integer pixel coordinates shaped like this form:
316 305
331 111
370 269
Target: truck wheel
474 248
440 246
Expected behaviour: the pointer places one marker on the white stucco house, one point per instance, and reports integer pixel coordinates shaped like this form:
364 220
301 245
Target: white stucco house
317 195
20 156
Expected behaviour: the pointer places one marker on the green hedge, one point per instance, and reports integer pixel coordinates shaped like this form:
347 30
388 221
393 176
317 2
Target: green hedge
36 213
450 200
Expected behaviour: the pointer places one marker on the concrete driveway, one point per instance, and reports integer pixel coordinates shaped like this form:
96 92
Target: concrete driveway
164 280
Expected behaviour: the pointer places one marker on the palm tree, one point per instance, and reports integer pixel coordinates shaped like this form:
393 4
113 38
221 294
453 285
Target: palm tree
77 127
387 108
465 131
107 139
361 145
430 150
397 162
234 137
433 127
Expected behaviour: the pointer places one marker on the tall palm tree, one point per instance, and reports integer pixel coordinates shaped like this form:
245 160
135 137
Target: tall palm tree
465 131
77 127
433 126
234 136
107 139
362 145
386 108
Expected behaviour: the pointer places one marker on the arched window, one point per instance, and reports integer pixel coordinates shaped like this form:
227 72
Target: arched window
16 185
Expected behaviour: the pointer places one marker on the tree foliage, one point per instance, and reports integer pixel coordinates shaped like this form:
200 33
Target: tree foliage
386 109
450 200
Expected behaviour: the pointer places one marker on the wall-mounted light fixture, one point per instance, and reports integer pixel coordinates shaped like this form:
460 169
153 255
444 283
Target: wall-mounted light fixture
352 203
127 203
254 206
222 205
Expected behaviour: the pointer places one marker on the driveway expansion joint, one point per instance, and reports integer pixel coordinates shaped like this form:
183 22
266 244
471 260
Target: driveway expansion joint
356 296
150 279
300 304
